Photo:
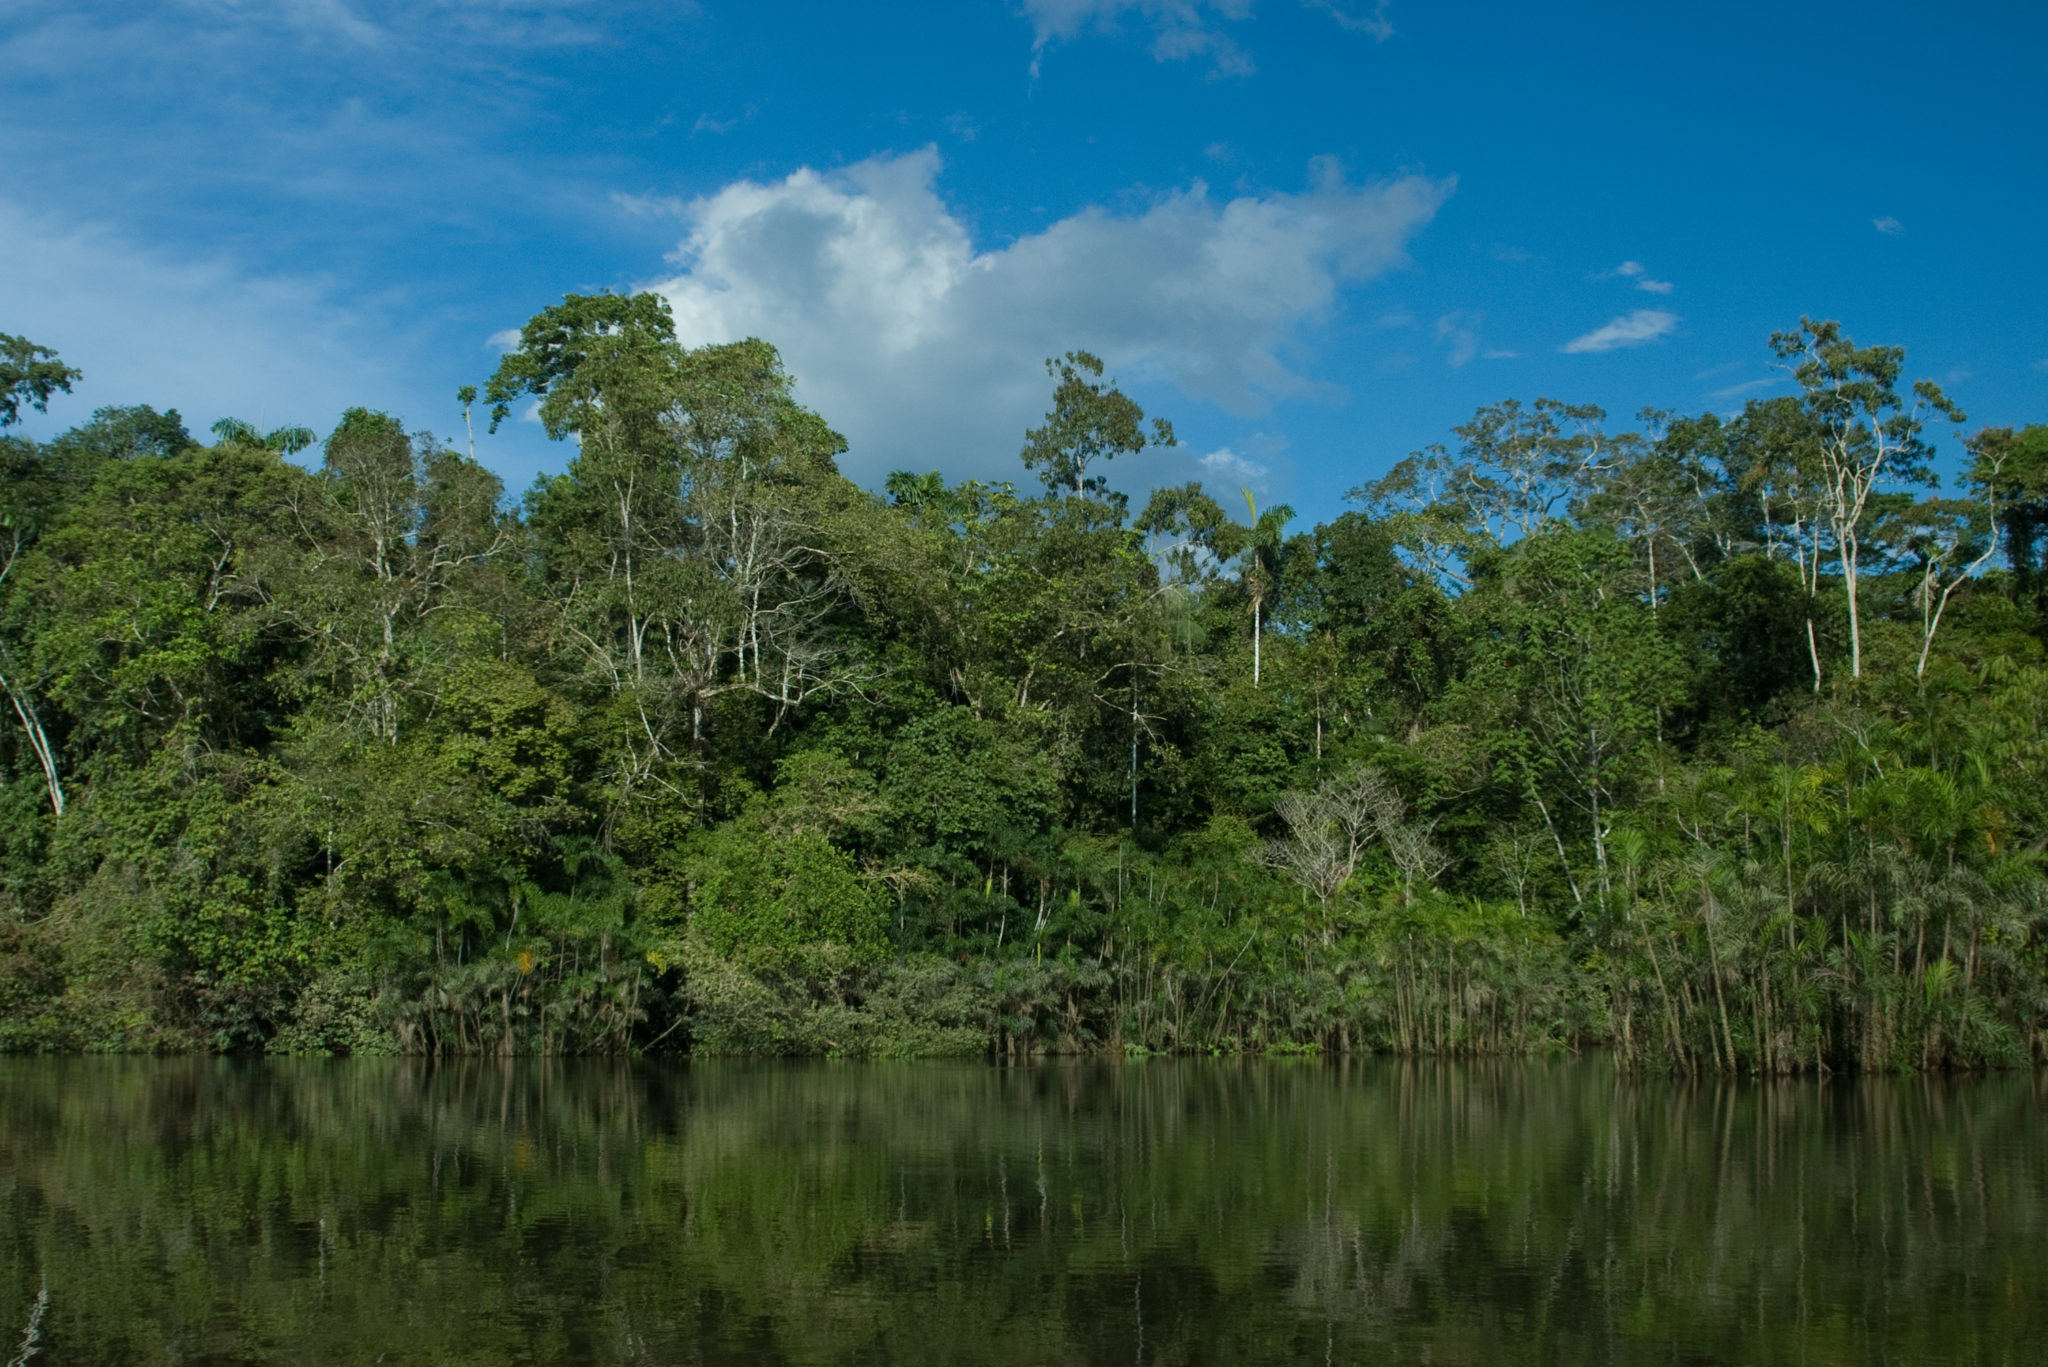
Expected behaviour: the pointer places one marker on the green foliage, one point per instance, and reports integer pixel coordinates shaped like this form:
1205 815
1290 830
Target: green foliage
769 887
29 374
1088 423
1713 743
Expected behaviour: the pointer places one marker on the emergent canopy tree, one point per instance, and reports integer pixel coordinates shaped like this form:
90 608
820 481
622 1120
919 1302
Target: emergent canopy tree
29 374
1868 434
1089 422
684 557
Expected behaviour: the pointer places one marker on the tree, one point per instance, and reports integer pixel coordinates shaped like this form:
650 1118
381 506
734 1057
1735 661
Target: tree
1951 539
1656 494
1585 675
382 539
1515 469
1868 434
2010 468
466 396
1183 525
684 552
1089 422
286 441
1330 828
29 374
1771 454
1259 548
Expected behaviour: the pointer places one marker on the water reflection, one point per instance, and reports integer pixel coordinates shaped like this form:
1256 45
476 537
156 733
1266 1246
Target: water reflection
1172 1212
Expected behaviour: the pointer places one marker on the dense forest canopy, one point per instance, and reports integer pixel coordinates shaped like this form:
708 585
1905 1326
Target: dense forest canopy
1714 741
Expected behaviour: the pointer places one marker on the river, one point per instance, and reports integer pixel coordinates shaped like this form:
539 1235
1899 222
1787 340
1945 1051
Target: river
1159 1211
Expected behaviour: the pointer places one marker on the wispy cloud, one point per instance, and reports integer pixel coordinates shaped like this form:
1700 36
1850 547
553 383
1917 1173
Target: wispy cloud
1631 329
1639 274
1499 354
1455 331
1184 30
649 206
1889 226
1371 21
1745 387
922 346
276 348
1181 30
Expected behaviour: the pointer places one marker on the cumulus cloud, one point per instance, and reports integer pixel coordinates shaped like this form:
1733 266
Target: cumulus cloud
1888 225
925 349
1631 329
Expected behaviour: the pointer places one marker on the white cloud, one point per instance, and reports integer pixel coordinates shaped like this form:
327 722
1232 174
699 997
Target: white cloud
1226 464
927 350
1370 20
1639 273
1184 29
1461 343
1181 29
1631 329
197 335
1499 354
650 205
1888 225
1745 387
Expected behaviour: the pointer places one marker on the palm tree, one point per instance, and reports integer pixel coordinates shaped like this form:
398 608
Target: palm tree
1260 550
286 441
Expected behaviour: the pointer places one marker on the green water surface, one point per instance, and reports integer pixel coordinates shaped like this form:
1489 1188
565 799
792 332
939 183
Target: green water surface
217 1212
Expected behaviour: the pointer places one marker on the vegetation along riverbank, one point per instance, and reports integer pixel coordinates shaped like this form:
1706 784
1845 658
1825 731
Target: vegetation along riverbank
1716 741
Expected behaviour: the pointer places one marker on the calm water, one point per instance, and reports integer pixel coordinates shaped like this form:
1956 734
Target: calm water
355 1212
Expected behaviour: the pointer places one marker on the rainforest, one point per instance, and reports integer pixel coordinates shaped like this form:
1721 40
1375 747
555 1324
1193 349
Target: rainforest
1712 742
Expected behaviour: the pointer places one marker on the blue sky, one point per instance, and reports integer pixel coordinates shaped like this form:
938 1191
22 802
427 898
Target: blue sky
1315 235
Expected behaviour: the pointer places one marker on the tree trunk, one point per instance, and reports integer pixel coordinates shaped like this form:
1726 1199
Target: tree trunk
38 741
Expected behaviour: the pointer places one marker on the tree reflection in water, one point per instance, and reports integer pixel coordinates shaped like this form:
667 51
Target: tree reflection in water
1172 1212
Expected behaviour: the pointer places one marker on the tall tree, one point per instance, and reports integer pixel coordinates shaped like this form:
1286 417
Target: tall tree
1868 434
2011 468
1259 549
1089 422
29 374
